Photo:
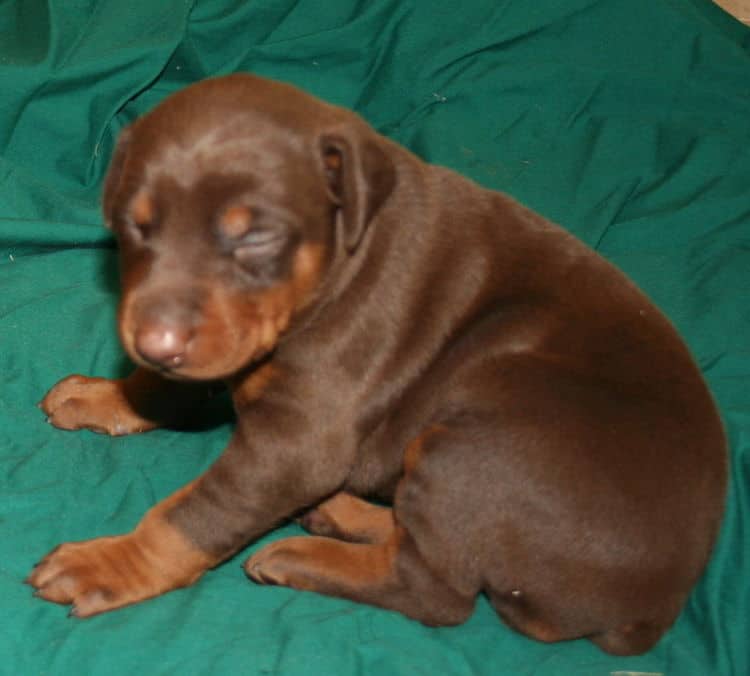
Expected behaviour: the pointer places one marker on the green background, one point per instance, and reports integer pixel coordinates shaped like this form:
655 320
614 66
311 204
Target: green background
627 121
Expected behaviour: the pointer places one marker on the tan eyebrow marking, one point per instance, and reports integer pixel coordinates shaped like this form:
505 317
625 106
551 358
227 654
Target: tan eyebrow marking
332 159
142 208
236 221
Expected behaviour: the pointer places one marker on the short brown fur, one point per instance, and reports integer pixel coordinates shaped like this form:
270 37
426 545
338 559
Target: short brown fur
565 455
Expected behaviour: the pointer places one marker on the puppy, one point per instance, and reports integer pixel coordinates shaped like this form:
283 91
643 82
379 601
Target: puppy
389 329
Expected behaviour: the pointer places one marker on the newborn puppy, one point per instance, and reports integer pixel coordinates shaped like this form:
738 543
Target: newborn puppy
389 329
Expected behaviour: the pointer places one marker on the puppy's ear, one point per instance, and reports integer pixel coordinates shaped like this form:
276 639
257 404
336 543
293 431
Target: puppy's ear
114 174
360 177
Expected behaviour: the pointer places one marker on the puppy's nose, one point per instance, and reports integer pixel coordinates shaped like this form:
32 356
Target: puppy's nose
163 344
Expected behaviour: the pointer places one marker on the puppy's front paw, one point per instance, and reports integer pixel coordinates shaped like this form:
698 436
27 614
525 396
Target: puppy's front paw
78 402
95 575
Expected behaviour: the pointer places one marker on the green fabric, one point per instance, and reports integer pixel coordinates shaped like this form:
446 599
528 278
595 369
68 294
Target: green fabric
628 121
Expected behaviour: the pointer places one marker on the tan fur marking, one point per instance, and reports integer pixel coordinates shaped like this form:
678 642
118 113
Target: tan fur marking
236 221
142 208
110 572
347 517
248 388
414 450
332 159
318 563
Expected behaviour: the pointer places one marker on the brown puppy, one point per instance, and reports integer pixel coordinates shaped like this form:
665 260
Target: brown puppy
389 329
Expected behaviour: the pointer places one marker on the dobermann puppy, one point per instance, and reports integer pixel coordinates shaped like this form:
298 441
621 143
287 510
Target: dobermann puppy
389 329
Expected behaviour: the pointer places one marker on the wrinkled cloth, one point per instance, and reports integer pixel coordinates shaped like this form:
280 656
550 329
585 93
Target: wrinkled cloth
626 121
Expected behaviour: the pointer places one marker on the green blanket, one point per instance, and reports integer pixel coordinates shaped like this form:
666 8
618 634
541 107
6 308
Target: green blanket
627 121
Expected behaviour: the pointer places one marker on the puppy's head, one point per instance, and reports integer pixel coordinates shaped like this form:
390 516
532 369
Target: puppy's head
233 201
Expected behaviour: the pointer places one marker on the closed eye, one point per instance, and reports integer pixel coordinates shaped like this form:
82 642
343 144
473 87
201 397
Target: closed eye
260 244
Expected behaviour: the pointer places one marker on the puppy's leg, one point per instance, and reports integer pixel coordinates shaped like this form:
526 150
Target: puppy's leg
111 572
346 517
389 571
262 478
143 401
390 574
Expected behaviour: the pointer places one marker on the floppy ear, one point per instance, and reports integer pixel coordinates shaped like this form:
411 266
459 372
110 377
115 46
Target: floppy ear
114 174
360 177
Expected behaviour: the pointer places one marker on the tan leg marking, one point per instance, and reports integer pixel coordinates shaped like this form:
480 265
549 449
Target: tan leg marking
346 517
109 572
323 565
